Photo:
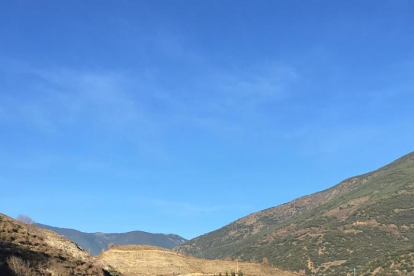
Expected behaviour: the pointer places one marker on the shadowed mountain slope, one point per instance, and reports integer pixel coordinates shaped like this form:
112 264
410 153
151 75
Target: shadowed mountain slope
41 252
360 223
95 242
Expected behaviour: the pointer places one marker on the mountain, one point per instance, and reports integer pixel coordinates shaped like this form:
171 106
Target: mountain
364 223
27 250
95 242
149 260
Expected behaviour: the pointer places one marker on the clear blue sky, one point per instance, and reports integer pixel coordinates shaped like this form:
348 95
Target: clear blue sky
182 116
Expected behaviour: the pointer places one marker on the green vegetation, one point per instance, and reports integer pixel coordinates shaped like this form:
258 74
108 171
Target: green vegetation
365 222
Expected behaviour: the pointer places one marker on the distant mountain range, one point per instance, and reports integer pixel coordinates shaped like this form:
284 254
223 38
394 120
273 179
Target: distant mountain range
95 242
364 223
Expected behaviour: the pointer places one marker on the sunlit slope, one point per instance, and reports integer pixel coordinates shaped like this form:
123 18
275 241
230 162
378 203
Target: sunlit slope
146 260
355 224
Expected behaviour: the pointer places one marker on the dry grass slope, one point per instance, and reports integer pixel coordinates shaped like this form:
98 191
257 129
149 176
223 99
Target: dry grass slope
147 260
44 252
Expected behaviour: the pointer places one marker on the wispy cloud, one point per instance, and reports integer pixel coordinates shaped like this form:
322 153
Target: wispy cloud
229 100
263 83
175 47
186 209
53 98
103 97
214 100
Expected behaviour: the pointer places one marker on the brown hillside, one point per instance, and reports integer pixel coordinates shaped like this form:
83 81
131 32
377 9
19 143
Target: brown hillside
258 221
44 252
147 260
364 223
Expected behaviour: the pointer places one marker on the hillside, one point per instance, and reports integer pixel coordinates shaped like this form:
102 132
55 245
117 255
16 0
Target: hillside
147 260
95 242
365 222
41 252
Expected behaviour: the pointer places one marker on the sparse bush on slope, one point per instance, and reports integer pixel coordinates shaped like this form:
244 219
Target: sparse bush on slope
19 266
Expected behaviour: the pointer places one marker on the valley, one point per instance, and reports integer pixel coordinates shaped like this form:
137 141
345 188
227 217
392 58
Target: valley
365 223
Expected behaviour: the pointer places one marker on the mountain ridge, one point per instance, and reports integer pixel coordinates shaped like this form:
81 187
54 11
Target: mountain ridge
98 241
266 233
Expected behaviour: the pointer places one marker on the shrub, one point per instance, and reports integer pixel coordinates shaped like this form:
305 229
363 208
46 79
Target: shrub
19 266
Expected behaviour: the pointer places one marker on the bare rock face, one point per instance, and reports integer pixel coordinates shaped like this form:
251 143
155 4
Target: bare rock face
149 260
27 250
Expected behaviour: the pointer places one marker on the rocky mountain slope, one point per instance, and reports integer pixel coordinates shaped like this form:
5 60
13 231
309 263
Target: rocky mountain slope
147 260
365 222
29 250
95 242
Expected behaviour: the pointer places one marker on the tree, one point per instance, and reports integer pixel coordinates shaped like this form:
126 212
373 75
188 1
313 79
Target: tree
265 261
110 245
19 266
25 219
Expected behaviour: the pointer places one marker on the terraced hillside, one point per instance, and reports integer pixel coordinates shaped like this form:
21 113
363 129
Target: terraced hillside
38 252
365 222
148 260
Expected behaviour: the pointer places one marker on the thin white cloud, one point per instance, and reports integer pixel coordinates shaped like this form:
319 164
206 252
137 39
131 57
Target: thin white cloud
262 84
228 101
176 47
57 97
186 209
101 96
223 101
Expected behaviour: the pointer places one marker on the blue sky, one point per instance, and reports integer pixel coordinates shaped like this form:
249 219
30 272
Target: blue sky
182 116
